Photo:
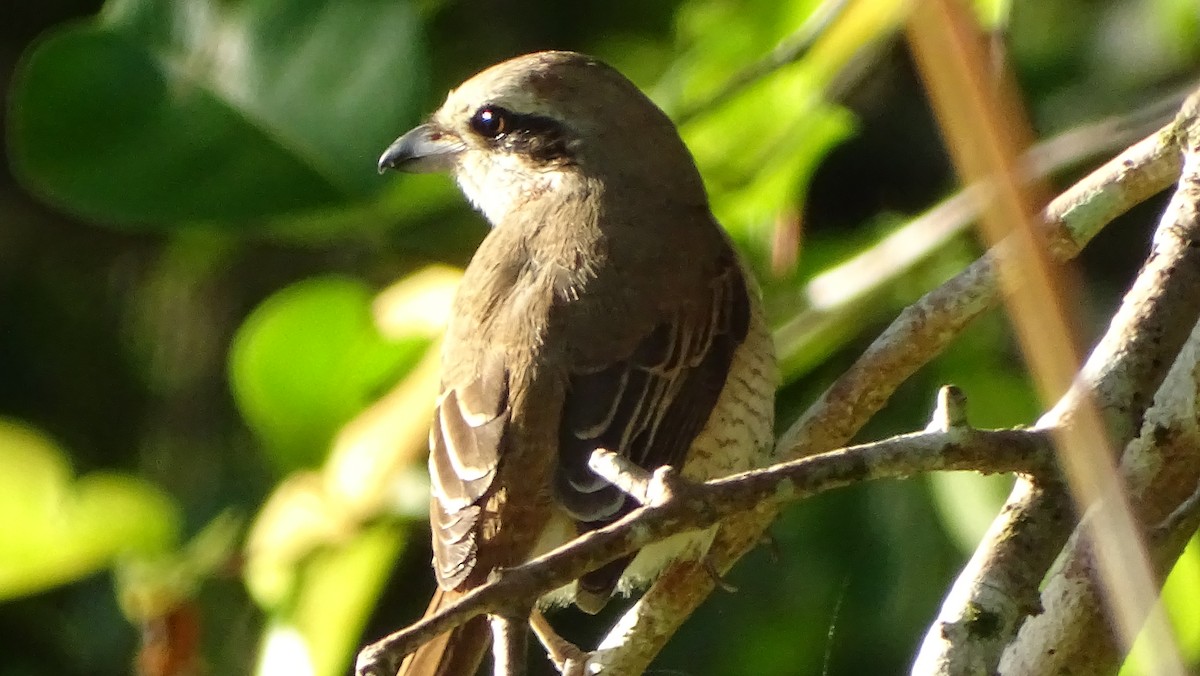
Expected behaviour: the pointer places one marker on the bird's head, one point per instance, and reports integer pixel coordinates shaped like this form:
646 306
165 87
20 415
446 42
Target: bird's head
540 124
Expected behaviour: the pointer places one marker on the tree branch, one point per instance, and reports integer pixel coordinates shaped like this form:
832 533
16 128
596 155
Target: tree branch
688 506
1160 467
510 639
1001 581
841 295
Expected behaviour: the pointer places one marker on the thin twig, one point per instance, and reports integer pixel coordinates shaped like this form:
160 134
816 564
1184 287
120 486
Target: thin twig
623 473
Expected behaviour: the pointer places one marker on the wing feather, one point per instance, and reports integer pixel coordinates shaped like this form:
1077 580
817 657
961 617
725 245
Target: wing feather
465 443
651 404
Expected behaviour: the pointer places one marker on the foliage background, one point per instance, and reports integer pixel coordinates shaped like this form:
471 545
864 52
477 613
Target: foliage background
194 253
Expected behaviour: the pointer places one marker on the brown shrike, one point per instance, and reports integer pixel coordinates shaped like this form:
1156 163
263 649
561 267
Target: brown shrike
606 309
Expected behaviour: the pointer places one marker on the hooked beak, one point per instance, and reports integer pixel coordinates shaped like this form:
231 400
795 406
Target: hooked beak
422 150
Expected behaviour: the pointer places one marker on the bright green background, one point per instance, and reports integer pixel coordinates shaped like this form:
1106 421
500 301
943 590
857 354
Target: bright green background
193 241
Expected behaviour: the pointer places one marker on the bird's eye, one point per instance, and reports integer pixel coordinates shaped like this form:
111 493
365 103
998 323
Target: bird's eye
490 121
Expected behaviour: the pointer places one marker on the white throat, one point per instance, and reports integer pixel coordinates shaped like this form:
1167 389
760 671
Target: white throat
505 181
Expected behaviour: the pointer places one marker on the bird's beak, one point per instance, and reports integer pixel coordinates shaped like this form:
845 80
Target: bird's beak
422 150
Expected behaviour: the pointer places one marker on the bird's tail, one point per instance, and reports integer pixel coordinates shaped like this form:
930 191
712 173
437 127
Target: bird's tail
456 653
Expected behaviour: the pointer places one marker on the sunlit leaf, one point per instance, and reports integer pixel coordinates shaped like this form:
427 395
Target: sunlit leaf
307 360
1179 23
296 520
419 304
369 471
317 632
54 529
993 14
758 149
1179 596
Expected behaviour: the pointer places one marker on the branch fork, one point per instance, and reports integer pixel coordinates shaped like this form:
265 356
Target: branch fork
675 505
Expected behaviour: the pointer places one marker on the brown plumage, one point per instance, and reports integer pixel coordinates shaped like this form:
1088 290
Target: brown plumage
605 309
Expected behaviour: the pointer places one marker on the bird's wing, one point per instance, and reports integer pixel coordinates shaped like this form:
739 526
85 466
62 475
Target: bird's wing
464 454
651 404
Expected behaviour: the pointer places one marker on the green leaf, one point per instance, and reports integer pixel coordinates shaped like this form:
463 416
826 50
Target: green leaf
307 360
967 503
317 633
993 14
54 531
758 149
209 110
1179 595
1177 24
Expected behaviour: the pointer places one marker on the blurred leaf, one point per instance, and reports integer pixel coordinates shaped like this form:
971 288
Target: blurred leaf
54 530
152 586
405 201
1179 595
758 150
1179 23
967 503
165 111
993 14
296 520
419 304
369 471
317 633
306 360
376 464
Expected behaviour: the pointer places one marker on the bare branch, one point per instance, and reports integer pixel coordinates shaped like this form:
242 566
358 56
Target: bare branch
846 292
695 506
623 473
1160 466
1001 581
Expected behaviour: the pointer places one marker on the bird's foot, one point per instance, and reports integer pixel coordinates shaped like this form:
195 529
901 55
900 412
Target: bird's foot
570 659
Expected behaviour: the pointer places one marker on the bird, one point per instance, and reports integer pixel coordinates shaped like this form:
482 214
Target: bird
605 308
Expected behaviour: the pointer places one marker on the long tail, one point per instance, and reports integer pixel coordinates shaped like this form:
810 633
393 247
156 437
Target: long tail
455 653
